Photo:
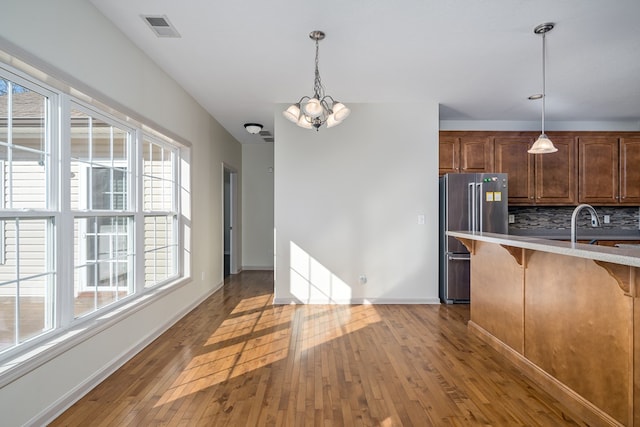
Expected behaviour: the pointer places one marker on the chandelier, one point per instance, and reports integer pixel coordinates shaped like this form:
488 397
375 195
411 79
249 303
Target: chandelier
319 109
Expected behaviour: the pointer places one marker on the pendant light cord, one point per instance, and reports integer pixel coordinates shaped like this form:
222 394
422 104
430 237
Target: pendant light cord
544 92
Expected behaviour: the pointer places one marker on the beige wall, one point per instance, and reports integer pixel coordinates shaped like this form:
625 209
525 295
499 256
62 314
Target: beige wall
69 38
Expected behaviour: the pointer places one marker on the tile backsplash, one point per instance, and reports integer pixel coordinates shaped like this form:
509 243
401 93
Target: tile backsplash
559 217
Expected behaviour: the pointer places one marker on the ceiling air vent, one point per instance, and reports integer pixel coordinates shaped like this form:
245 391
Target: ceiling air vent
266 136
161 26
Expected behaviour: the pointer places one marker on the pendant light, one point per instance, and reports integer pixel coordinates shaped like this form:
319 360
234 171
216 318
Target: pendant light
314 111
543 144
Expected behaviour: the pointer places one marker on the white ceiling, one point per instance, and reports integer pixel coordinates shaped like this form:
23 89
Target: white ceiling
478 58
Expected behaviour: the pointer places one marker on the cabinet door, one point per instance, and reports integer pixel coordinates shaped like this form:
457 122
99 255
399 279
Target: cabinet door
555 173
630 170
449 154
598 156
511 157
476 154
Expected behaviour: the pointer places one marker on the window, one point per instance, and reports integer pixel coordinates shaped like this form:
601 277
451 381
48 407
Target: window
160 215
27 276
87 219
100 200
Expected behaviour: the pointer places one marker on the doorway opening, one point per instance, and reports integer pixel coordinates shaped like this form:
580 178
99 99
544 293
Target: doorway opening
229 221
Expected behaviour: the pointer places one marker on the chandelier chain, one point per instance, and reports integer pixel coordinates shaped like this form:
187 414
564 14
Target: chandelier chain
318 89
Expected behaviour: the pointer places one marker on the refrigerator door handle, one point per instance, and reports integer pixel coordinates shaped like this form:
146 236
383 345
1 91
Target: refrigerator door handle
479 206
471 210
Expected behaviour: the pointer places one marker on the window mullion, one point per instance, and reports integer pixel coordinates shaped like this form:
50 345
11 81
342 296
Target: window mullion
64 221
137 187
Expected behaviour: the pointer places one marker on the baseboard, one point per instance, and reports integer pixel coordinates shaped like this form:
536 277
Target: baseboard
257 267
358 301
577 404
66 401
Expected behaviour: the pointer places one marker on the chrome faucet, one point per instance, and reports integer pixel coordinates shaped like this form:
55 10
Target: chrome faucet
595 222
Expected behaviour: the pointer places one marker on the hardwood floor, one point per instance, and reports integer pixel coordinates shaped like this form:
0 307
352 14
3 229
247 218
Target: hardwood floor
238 360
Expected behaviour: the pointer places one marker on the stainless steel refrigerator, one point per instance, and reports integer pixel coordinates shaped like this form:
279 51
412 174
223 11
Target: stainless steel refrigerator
468 202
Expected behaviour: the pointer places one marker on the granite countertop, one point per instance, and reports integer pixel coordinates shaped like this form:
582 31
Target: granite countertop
581 234
623 255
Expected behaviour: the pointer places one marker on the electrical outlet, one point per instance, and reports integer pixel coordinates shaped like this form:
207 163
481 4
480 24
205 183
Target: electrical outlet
512 219
607 219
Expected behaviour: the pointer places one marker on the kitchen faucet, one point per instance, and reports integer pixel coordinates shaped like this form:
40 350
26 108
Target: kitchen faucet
595 222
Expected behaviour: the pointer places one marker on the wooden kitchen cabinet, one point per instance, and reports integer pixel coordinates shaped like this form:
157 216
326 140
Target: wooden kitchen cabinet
556 173
599 168
465 152
598 177
545 179
629 170
609 169
511 157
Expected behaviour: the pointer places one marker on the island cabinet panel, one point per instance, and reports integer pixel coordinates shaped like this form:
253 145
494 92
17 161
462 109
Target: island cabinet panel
511 157
465 152
556 173
501 316
566 316
630 170
578 329
598 177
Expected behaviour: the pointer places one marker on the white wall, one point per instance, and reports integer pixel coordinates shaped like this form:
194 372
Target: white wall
72 38
257 203
347 201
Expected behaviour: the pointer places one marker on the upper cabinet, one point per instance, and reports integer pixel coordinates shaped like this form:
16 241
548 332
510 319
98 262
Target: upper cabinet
465 152
511 157
609 169
556 174
599 168
544 179
630 170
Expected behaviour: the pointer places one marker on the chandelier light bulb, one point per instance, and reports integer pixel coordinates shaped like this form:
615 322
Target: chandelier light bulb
313 108
331 121
292 113
340 111
304 122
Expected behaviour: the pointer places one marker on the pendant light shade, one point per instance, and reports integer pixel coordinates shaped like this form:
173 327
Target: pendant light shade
543 144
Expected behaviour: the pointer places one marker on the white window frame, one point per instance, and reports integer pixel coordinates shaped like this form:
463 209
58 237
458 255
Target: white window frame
175 204
67 330
49 213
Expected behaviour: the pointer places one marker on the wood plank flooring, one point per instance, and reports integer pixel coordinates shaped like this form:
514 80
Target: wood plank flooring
237 360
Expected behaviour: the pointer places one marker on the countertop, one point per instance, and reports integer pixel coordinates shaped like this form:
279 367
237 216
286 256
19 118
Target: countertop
581 234
623 255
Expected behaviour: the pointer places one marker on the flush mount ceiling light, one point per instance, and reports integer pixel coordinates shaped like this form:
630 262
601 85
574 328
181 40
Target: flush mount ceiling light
253 128
543 144
313 112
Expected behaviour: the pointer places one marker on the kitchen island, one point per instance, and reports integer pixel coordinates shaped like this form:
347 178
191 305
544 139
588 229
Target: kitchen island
565 314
